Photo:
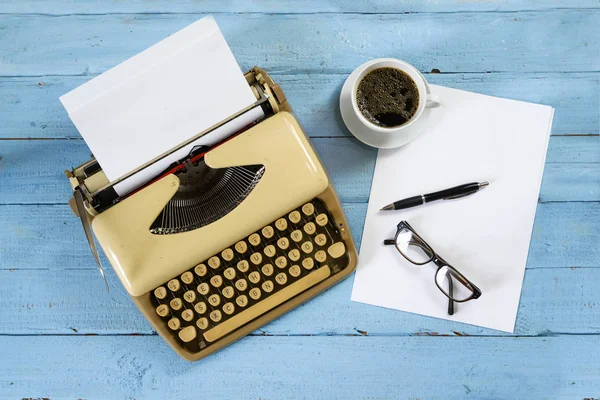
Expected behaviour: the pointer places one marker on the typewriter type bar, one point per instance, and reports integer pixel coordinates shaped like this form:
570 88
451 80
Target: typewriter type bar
227 239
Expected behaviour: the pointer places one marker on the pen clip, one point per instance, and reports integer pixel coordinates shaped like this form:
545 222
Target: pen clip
460 195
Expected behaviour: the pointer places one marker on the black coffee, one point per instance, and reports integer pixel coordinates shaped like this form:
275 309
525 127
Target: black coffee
387 97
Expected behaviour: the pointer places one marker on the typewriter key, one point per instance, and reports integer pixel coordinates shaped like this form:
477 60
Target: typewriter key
187 277
228 292
174 285
268 231
295 271
283 243
160 292
176 304
320 239
320 256
256 258
229 273
281 262
296 235
203 288
337 250
214 262
310 228
200 270
308 209
187 315
189 296
228 308
162 310
241 247
242 300
307 247
202 323
269 250
241 285
308 263
281 224
294 217
255 293
216 281
294 255
254 277
216 315
200 307
267 286
322 219
281 278
174 323
254 239
267 269
214 300
227 254
243 266
187 334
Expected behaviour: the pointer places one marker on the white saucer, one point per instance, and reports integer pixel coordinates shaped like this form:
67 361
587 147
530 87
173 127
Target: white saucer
362 132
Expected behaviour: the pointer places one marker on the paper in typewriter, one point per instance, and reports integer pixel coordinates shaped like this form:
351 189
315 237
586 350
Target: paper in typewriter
486 235
159 98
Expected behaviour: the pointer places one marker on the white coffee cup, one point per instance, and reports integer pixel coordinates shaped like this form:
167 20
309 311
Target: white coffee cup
375 135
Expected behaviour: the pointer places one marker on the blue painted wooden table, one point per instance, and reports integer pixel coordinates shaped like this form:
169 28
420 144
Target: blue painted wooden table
63 337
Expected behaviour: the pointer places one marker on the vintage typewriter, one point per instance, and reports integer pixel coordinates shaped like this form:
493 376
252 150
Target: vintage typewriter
227 239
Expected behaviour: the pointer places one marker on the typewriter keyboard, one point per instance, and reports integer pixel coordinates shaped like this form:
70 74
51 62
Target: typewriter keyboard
253 276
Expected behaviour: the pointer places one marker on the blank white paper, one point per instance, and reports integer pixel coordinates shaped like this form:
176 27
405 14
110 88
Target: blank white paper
485 236
159 98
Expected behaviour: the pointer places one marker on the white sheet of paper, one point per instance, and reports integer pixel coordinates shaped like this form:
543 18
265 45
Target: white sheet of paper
486 235
159 98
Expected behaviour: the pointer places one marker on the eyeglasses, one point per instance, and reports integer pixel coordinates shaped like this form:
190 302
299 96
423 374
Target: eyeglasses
452 283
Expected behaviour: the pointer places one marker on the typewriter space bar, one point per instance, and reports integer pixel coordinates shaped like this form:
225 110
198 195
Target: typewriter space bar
269 303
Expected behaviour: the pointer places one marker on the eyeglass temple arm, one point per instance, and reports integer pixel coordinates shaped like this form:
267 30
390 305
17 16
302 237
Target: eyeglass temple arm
450 292
389 241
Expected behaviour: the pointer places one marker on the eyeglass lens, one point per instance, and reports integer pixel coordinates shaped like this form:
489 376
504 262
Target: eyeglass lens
449 282
412 247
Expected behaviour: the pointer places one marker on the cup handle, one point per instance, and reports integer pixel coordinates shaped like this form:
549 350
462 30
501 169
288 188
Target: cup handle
432 101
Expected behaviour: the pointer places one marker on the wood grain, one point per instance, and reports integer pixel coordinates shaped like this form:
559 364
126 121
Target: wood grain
303 367
324 43
29 107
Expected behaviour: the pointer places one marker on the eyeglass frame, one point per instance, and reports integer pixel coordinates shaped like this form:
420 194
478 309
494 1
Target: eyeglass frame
439 262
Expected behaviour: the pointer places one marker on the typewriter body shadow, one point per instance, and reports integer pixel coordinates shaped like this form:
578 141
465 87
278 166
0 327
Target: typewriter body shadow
227 239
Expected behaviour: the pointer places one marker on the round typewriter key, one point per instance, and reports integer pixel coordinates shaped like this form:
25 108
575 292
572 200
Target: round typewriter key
203 288
310 228
228 292
308 209
216 315
255 293
187 277
320 256
320 239
308 263
214 262
307 247
241 285
214 299
267 286
242 300
174 285
228 308
270 250
256 258
229 273
200 307
227 254
160 292
322 219
268 231
216 281
281 278
295 271
176 304
243 266
200 270
162 310
296 235
254 277
294 217
174 323
187 334
202 323
254 239
267 269
283 243
187 315
189 296
241 247
294 255
281 224
281 262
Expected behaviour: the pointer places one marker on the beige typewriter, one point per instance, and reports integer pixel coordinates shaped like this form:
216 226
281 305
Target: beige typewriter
227 239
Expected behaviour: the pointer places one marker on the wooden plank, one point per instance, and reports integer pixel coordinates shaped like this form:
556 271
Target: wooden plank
553 41
29 107
72 302
50 237
31 171
62 7
307 367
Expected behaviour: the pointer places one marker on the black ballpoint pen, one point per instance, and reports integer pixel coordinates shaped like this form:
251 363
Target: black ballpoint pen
452 193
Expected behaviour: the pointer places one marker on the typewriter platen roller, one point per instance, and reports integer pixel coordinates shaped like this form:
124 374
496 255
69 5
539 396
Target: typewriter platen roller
230 237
